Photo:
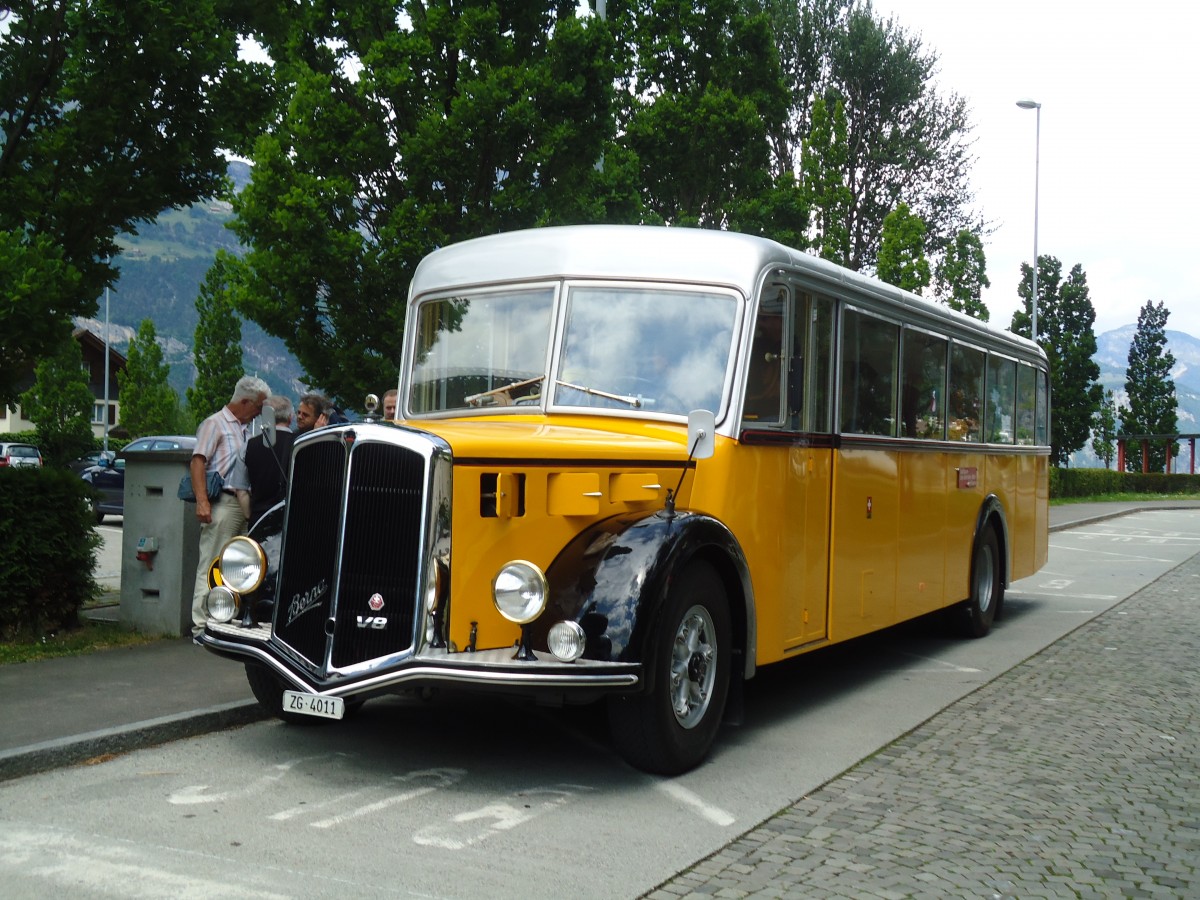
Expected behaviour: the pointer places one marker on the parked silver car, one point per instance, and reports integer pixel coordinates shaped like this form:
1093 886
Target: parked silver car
19 455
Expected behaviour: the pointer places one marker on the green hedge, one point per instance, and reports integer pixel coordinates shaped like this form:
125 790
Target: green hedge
1100 482
48 543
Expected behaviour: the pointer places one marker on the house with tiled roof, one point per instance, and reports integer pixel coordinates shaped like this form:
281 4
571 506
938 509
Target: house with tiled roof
13 418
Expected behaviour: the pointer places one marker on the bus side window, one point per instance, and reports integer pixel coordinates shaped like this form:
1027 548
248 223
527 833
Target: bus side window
923 389
813 363
764 381
1002 398
869 361
1026 403
965 400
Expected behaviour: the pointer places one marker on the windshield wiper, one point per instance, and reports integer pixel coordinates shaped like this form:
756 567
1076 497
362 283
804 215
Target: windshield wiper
635 402
474 399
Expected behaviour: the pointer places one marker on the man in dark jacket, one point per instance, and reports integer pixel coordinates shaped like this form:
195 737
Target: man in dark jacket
267 464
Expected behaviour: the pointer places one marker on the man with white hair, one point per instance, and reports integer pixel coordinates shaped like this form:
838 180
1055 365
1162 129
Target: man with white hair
220 444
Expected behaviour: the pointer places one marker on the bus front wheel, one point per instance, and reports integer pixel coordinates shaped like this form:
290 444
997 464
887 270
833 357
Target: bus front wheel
669 728
976 614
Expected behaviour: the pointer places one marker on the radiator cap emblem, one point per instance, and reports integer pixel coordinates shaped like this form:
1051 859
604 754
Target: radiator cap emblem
376 602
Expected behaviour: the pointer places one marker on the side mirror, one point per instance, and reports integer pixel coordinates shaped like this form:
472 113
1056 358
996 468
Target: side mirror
266 423
702 433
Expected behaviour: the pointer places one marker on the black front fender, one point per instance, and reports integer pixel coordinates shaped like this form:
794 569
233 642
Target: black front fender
612 579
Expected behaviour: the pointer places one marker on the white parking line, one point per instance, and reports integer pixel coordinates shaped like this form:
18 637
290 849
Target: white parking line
714 814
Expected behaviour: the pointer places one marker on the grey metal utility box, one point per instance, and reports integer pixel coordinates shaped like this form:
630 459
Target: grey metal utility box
156 593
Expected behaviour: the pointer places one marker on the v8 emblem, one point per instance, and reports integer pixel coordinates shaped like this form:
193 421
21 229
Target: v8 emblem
377 622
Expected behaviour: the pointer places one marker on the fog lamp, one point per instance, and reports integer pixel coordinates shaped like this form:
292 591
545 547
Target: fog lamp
243 565
222 604
519 591
567 640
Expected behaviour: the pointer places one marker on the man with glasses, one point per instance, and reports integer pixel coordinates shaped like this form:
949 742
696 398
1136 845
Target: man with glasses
220 445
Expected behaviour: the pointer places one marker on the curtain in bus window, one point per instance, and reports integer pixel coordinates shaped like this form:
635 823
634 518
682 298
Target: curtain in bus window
964 401
923 388
869 362
1002 399
1026 403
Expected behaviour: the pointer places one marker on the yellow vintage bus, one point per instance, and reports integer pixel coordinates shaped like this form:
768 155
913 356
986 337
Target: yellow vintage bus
633 465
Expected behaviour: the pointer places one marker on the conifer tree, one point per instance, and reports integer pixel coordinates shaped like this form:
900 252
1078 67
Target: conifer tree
1150 389
218 341
1066 320
148 403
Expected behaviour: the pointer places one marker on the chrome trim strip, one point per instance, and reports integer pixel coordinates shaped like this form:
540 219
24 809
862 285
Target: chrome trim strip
485 667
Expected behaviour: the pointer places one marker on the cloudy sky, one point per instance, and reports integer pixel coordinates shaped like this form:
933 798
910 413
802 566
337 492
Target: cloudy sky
1120 141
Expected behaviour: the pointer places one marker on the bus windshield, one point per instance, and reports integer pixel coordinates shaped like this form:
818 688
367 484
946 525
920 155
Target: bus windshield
631 348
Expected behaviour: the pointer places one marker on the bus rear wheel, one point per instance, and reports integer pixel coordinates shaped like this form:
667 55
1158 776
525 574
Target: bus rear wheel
669 728
976 614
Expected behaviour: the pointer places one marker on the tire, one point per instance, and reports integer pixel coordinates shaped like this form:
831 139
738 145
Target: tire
976 614
268 691
669 728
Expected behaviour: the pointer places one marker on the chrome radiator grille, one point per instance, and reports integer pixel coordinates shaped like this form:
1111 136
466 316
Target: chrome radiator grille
350 567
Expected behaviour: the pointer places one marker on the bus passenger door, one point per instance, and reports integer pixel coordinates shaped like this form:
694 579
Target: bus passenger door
810 464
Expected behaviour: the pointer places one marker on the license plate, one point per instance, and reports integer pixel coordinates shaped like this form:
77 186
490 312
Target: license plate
314 705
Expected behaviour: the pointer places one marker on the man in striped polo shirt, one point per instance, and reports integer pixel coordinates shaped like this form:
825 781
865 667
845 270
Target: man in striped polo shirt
220 442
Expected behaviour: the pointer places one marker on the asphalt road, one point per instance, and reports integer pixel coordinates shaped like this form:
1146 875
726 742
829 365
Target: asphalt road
465 797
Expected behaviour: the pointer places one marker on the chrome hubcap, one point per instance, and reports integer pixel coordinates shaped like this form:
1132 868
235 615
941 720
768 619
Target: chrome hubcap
693 667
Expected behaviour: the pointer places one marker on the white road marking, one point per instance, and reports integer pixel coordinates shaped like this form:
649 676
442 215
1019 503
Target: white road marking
678 792
939 665
477 825
81 864
439 779
198 793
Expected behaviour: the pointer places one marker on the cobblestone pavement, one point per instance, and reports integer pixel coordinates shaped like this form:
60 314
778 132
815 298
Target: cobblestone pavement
1075 774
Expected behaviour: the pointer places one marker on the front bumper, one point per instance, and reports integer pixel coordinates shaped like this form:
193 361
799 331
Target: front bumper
482 669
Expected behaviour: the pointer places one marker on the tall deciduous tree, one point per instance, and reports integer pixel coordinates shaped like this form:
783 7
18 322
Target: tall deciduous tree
1149 388
806 32
705 89
1066 320
962 276
60 404
218 341
902 259
148 403
905 140
112 110
403 133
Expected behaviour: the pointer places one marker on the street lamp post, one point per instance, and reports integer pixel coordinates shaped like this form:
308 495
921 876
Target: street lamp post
106 355
1037 161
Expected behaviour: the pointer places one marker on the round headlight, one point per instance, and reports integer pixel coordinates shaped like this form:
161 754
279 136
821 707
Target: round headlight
519 591
243 565
567 640
435 586
222 604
